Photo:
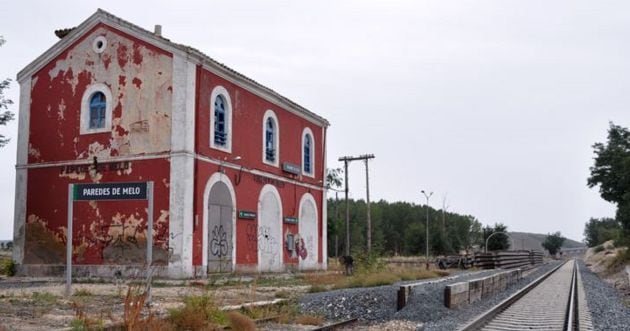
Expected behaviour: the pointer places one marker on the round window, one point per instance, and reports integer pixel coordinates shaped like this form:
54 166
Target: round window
99 44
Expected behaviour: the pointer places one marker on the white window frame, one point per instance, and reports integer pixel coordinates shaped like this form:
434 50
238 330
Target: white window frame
85 109
307 131
221 91
271 114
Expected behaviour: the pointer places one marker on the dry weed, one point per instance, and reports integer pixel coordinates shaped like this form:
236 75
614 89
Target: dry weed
241 322
309 320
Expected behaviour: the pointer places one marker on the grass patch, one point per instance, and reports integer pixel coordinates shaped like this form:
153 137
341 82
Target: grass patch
198 313
317 288
599 249
82 293
283 294
7 267
44 297
322 282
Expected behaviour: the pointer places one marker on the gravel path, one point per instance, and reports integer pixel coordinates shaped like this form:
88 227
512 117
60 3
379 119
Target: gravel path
425 306
605 303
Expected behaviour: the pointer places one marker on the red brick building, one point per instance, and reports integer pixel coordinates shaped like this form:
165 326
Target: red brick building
237 169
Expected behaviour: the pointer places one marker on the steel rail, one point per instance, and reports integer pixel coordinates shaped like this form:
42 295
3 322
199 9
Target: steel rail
336 325
571 321
489 315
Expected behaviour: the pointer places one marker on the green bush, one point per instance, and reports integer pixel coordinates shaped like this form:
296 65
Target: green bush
365 263
599 248
7 267
198 313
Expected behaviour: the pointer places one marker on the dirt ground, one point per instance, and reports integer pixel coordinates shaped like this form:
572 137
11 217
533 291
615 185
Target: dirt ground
39 304
598 262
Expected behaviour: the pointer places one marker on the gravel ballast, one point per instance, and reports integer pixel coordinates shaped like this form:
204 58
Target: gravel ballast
425 306
604 302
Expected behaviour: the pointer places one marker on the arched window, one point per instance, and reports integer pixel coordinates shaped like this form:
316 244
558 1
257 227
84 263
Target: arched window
308 142
96 109
220 129
98 104
220 119
308 152
270 137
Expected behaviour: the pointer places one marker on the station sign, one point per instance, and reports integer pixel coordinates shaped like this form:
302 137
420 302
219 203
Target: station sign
291 168
246 214
110 191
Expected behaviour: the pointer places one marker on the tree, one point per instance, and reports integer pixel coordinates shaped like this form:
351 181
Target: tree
611 172
553 242
598 231
6 115
333 178
498 242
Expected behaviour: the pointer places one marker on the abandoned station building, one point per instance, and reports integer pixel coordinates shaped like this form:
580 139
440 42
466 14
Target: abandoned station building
142 150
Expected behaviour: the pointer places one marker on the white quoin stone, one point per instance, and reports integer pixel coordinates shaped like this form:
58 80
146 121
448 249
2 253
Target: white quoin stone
182 167
19 222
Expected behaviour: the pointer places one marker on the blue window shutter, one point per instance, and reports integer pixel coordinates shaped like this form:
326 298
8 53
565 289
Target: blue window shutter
307 153
220 132
98 105
270 132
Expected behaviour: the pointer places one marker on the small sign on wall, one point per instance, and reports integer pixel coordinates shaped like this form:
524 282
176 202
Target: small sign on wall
291 220
250 215
291 168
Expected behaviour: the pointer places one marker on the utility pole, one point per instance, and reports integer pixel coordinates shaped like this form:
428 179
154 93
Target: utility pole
369 216
345 160
345 164
427 196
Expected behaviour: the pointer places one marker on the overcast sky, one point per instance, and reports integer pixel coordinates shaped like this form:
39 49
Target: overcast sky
493 103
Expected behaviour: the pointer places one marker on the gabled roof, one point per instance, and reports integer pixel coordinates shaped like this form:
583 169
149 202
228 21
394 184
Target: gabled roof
102 16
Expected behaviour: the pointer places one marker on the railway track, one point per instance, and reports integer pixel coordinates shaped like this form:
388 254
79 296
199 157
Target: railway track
555 301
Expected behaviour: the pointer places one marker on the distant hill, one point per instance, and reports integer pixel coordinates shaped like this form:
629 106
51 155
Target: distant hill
525 240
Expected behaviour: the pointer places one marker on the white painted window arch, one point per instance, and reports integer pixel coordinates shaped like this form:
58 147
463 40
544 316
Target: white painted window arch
308 152
221 119
271 139
96 109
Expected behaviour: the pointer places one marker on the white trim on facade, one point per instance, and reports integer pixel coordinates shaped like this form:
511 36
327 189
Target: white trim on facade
307 131
85 109
99 44
216 178
181 193
271 114
324 204
21 175
221 91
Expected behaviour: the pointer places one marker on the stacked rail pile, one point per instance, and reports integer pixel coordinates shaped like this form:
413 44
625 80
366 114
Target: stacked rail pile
508 259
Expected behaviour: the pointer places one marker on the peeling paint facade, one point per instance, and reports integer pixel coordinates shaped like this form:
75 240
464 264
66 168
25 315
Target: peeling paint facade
215 209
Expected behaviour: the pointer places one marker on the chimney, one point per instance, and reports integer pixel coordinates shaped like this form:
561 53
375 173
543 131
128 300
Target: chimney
158 30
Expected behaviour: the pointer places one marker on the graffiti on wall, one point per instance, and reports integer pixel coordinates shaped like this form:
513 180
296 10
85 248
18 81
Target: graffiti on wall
267 244
219 243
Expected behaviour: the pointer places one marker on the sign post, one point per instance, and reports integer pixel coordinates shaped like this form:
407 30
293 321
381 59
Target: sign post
110 192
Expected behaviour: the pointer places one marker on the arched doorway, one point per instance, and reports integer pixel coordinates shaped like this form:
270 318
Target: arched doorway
308 241
219 225
269 230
